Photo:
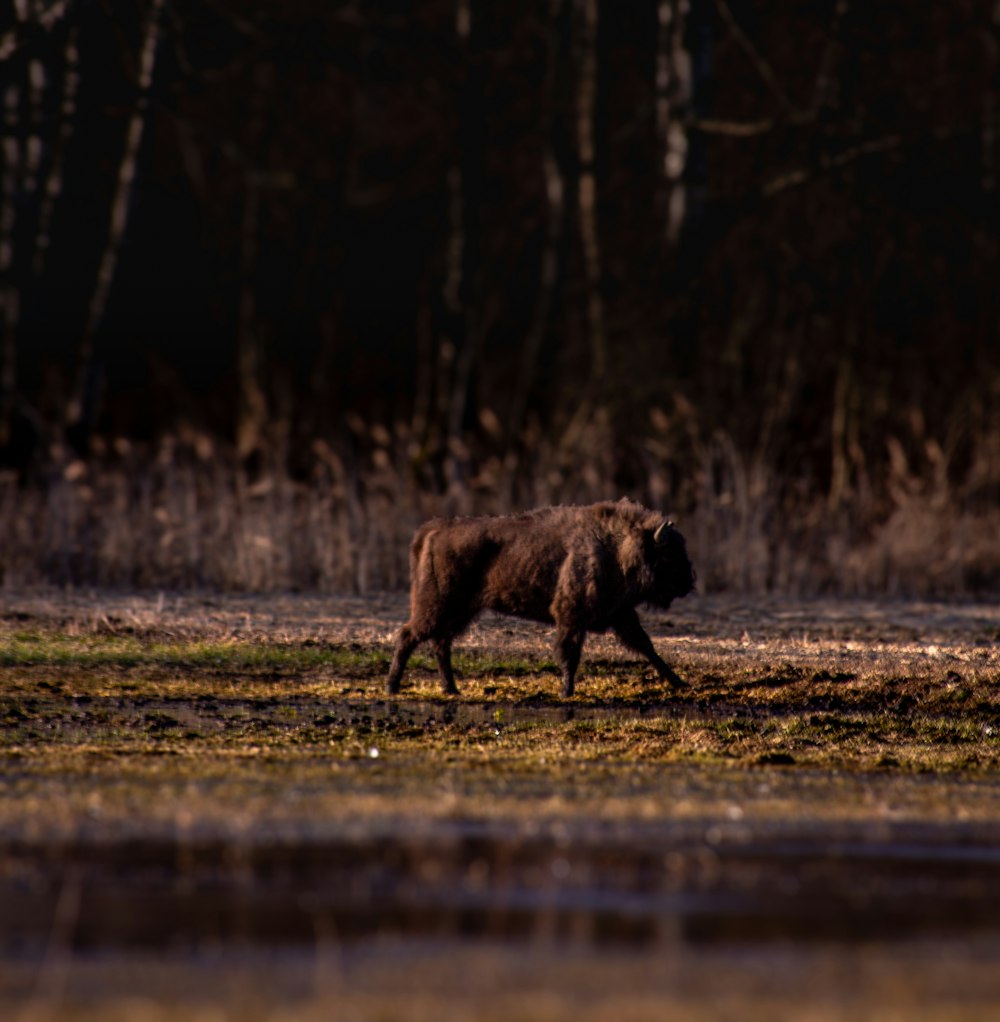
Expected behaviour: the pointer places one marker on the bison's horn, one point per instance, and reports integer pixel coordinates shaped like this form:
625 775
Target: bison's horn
665 524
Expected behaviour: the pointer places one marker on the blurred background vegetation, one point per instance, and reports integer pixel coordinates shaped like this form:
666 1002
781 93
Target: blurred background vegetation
280 279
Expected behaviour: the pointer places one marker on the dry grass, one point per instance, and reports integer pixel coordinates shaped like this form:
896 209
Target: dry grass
188 514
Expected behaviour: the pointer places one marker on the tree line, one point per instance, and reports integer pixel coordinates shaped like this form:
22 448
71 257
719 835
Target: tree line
699 222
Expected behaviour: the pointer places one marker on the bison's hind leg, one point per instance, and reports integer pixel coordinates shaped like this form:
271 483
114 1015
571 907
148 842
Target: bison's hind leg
405 645
411 635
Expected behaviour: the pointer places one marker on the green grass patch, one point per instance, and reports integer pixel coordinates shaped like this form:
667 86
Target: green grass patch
29 649
38 650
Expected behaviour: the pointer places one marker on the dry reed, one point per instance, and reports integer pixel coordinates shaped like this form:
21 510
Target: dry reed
189 514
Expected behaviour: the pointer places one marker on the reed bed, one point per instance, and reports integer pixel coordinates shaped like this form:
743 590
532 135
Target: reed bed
188 513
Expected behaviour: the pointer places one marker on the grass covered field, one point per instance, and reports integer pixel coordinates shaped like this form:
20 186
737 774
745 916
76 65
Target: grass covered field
209 808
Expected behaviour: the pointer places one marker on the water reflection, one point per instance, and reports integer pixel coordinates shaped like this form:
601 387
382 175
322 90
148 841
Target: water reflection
719 878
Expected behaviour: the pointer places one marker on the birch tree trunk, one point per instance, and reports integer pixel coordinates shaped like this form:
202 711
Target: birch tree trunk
83 405
252 410
555 218
13 155
454 282
673 96
991 114
54 178
436 355
22 116
30 181
460 350
588 20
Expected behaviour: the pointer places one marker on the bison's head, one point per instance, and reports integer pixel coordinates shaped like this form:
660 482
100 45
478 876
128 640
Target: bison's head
673 575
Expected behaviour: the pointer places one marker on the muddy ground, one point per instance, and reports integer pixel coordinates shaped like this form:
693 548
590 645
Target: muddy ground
208 808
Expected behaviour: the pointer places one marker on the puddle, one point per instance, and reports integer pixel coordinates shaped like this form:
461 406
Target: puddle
453 879
421 714
208 715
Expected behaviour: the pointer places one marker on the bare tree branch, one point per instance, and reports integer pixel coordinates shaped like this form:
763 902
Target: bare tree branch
733 129
763 68
791 112
824 76
13 39
827 164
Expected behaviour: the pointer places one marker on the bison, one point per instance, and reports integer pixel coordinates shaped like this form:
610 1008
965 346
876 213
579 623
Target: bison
585 569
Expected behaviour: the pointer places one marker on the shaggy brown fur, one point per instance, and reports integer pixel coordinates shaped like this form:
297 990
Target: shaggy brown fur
585 569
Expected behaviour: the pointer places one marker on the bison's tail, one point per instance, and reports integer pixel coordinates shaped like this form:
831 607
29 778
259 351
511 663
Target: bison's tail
419 553
415 549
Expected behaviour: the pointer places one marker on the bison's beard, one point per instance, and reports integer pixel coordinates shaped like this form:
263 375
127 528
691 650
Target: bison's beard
673 580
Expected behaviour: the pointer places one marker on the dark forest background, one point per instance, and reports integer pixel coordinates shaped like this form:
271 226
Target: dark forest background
280 279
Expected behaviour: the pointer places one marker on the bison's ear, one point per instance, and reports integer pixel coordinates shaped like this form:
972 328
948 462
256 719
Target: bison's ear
660 536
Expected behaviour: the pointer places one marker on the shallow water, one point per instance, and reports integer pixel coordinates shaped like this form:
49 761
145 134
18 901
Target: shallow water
748 857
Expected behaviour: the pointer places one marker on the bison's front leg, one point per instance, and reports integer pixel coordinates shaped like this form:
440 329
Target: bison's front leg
569 644
629 629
